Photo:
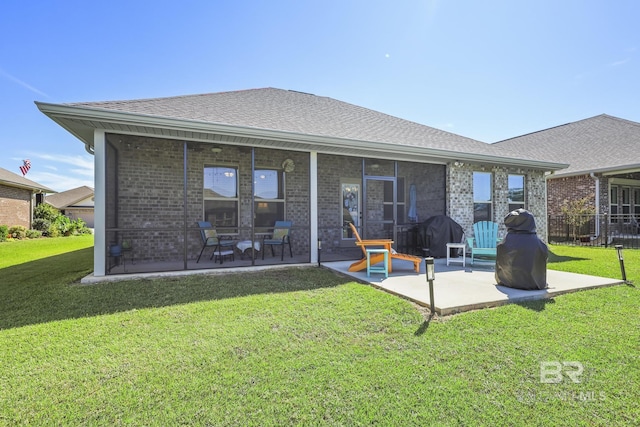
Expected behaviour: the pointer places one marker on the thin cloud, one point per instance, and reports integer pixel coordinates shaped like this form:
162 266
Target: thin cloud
22 83
81 162
65 173
619 63
59 182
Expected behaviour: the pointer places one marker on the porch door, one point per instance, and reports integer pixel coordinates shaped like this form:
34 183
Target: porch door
380 201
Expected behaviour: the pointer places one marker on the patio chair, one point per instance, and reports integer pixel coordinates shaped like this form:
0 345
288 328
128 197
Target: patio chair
281 236
484 241
376 258
222 245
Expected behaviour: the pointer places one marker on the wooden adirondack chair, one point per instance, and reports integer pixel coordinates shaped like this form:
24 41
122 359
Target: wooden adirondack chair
485 239
376 258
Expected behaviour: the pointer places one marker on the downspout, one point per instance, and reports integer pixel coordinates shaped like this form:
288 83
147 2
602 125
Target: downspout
597 202
546 204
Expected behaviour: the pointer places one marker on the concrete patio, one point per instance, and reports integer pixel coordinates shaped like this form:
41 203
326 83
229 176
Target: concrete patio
458 289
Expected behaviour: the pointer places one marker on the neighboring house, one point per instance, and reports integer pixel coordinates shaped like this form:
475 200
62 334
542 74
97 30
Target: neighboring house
242 160
76 203
18 197
603 153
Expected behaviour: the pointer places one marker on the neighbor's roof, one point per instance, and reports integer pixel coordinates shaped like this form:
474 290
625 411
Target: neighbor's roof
598 144
11 179
277 118
69 197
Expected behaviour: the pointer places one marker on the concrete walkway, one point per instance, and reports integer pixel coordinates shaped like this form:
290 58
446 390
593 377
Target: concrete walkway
458 288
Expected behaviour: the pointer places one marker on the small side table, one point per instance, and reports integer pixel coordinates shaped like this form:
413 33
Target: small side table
244 245
462 246
376 268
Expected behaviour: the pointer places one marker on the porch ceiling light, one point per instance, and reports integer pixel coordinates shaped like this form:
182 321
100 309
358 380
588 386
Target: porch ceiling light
216 149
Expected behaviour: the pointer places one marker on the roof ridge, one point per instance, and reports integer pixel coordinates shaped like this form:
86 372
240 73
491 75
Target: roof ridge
603 115
193 95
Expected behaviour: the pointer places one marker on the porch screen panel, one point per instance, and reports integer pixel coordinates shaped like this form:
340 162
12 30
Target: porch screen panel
269 197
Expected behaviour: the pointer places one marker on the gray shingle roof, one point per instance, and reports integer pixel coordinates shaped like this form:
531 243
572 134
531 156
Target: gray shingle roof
69 197
14 180
297 112
600 143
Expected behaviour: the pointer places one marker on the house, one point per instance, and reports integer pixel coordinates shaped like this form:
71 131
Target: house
18 197
604 165
244 159
76 203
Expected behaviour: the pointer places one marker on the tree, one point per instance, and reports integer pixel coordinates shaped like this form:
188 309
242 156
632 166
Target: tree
577 213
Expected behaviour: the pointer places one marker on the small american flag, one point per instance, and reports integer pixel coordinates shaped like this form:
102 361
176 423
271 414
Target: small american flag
26 165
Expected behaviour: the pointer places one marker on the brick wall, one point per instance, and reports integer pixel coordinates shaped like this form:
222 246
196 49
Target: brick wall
333 170
15 206
560 190
460 190
145 193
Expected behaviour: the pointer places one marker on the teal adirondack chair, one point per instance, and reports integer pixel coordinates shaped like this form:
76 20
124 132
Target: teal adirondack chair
484 240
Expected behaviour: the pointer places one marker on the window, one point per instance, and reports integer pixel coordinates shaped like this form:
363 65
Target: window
613 204
269 197
636 203
516 192
482 191
626 203
220 194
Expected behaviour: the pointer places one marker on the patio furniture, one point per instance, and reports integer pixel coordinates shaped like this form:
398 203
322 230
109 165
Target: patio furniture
280 237
378 268
245 245
379 257
211 239
484 240
456 246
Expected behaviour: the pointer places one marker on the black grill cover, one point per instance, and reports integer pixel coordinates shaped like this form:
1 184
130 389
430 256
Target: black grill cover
521 259
436 232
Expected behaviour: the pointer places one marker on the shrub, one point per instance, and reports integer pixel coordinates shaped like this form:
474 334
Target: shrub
18 231
46 211
52 231
4 231
78 227
41 224
63 225
34 234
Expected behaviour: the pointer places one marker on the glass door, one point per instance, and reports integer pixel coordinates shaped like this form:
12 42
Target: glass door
379 208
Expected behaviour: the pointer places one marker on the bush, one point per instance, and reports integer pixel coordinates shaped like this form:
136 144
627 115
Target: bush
52 231
18 231
79 227
41 224
52 223
63 225
4 232
34 234
46 211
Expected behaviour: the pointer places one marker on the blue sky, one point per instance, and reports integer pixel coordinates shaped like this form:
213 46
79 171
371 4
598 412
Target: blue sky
487 69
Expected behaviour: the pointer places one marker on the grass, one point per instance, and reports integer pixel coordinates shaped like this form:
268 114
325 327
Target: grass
304 346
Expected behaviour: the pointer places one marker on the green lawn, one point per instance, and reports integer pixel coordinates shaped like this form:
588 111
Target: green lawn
303 346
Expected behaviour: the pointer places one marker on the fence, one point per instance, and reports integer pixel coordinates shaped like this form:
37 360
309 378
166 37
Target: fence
594 230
